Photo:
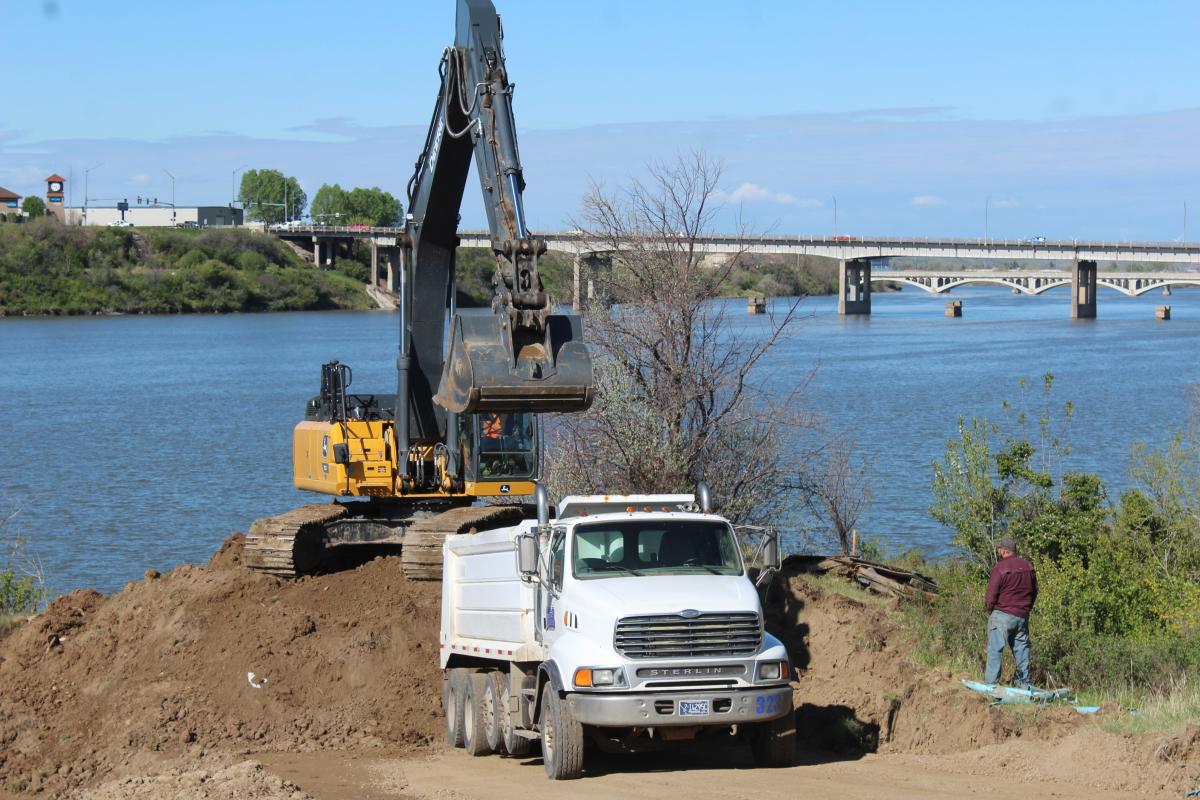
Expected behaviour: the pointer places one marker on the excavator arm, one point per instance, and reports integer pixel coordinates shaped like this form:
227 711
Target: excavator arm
521 357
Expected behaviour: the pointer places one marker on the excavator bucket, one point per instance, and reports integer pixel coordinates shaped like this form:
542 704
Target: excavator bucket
490 369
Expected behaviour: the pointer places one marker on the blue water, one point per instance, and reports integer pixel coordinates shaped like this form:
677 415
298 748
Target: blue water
137 442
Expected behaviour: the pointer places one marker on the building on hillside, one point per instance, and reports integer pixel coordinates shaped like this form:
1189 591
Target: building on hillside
156 216
10 202
55 206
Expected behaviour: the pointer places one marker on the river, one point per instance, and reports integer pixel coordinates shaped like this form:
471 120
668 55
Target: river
137 442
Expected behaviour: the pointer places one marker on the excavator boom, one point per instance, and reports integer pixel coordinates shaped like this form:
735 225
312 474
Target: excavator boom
522 357
463 423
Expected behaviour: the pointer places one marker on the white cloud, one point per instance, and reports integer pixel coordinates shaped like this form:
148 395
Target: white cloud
924 200
1006 203
753 193
141 179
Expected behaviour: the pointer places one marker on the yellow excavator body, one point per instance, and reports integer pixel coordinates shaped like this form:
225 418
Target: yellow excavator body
368 467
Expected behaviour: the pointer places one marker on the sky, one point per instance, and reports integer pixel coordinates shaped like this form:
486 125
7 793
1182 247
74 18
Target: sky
1065 119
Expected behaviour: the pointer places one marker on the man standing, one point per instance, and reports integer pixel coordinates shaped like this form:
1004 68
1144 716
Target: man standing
1011 592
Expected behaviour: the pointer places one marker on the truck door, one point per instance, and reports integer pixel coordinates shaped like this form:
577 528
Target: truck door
551 588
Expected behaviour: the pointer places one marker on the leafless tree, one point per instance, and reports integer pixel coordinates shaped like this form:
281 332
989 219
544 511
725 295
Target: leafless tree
680 396
835 489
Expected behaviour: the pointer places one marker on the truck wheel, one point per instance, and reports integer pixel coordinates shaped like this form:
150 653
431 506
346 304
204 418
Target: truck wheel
774 743
493 709
514 745
562 738
476 719
453 695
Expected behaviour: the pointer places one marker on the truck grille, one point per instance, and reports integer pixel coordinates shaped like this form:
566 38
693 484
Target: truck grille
674 636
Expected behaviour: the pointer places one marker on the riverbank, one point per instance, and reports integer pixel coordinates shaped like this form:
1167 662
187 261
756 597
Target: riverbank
47 269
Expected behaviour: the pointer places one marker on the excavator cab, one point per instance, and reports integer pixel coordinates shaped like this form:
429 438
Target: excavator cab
501 453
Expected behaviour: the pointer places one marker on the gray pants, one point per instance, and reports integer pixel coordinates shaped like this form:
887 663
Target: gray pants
1007 630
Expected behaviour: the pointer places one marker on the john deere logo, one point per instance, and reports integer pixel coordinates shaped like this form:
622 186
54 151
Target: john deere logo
505 488
689 613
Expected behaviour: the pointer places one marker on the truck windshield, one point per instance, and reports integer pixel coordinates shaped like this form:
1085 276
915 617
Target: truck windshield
654 547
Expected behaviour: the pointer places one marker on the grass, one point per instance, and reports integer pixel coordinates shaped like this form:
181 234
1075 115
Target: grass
836 584
1163 712
1167 711
12 620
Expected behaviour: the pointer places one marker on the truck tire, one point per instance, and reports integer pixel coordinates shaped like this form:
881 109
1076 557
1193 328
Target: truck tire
514 745
774 743
476 719
562 738
453 695
493 710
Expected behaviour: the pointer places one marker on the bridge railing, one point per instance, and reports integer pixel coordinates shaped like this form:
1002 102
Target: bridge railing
900 242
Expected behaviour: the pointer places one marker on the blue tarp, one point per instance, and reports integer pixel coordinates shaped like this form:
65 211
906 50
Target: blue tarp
1032 694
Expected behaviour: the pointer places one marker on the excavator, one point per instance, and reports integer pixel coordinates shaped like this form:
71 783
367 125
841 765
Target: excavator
409 467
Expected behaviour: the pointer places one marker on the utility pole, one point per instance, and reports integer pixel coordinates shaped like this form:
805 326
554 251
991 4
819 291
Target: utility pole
232 191
172 177
87 172
835 216
986 203
1185 221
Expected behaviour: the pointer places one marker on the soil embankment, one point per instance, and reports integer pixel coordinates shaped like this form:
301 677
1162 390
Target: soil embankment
148 693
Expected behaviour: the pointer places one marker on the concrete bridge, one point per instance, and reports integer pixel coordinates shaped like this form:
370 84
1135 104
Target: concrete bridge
858 259
1083 279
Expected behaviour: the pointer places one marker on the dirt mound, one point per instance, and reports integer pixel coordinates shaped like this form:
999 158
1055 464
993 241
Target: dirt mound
164 666
859 689
177 677
245 781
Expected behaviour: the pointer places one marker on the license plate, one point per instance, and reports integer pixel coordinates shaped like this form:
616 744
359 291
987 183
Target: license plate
694 708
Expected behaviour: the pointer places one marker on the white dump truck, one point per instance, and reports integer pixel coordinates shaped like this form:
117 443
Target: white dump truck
624 621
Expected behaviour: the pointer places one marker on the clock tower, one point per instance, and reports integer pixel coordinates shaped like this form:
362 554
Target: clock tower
55 205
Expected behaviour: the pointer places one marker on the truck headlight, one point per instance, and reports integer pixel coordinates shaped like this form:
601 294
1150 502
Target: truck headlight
599 676
774 670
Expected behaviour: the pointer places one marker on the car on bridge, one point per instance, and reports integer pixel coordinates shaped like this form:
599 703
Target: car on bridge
1036 240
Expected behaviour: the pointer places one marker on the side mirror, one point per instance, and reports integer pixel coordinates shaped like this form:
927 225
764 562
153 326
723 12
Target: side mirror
341 454
771 559
527 555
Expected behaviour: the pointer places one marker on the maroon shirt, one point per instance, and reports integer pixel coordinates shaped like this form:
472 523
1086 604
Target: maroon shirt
1012 587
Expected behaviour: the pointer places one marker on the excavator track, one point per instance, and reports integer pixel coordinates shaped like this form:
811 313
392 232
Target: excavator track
422 553
290 544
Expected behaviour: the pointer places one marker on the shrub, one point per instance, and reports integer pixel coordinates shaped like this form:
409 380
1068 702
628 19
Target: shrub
1118 604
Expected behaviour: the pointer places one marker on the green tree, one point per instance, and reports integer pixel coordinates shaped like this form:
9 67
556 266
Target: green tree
333 205
33 207
270 196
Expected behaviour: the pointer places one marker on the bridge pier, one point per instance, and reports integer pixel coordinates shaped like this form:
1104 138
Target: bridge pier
592 272
375 264
1083 290
854 287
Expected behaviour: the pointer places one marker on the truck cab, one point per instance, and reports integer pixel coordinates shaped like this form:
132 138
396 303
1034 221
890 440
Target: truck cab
626 620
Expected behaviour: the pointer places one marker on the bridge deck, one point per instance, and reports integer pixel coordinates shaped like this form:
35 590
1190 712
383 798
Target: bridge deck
840 247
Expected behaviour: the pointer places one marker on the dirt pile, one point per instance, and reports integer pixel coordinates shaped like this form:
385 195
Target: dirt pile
178 677
858 690
247 780
98 687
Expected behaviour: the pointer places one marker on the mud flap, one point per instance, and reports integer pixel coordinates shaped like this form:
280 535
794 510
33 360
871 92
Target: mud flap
490 369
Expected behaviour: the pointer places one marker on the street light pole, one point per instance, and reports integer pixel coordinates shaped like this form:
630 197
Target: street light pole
172 177
986 203
87 172
835 216
232 191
